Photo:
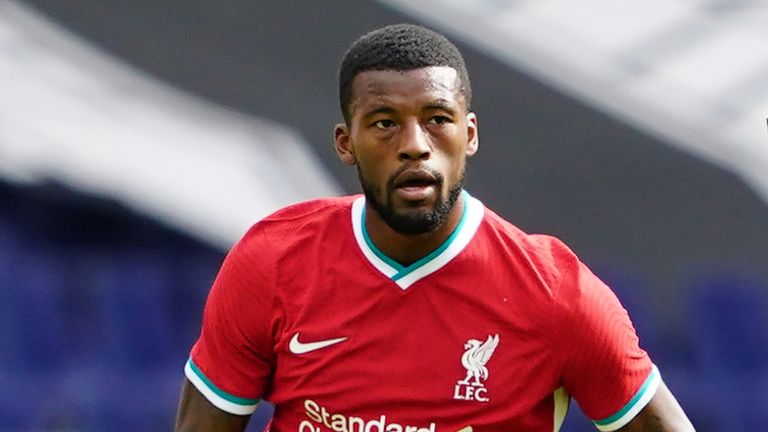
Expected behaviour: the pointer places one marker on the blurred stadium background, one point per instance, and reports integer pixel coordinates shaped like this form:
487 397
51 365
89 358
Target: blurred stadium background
139 140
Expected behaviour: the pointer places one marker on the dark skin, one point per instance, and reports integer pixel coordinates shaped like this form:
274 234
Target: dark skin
197 414
414 120
417 119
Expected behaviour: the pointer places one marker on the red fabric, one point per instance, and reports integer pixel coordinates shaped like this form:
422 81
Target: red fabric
603 365
301 271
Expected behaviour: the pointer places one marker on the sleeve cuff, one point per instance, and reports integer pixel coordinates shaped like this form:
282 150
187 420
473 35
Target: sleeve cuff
633 407
219 398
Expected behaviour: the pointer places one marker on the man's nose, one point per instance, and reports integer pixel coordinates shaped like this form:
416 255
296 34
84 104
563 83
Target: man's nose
414 142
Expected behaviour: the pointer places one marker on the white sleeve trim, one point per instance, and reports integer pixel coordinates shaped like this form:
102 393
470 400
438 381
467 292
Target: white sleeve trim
633 407
214 398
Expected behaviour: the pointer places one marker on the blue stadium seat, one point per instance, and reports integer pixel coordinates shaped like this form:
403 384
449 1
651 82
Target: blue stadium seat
95 322
15 401
729 327
36 288
193 275
135 319
10 358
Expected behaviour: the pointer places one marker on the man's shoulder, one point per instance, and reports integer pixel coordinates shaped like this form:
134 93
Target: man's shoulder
547 258
542 247
303 220
321 208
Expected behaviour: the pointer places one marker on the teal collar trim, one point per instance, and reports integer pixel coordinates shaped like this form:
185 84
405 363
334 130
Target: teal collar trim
404 276
405 270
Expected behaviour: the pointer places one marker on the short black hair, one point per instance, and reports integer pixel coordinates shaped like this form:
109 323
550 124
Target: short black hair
399 47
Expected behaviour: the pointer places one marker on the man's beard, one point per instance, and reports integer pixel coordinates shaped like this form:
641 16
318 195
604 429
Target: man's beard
412 223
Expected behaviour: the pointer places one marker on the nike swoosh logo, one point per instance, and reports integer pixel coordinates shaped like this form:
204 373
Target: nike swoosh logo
465 429
297 347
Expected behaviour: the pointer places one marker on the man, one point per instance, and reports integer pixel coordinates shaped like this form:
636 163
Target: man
413 308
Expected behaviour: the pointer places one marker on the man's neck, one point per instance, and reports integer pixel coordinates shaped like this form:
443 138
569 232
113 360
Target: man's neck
407 249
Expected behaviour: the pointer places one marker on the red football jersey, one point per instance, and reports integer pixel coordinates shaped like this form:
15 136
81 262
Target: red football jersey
493 331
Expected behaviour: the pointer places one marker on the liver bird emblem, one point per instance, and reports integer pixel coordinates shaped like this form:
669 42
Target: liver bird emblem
475 357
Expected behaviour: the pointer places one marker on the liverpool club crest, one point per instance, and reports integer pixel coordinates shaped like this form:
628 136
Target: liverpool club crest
474 360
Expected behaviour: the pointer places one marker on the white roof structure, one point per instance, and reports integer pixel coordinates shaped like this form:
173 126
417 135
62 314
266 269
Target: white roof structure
72 114
692 72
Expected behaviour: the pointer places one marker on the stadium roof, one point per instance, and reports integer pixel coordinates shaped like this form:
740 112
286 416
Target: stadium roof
77 116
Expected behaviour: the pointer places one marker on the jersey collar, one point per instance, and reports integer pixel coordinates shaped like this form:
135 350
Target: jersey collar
405 276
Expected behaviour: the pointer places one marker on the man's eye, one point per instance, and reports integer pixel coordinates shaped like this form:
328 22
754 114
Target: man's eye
439 120
383 124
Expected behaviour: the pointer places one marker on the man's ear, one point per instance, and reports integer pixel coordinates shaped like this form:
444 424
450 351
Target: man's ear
472 137
343 144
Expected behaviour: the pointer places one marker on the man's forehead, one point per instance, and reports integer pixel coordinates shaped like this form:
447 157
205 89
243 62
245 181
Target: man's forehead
443 80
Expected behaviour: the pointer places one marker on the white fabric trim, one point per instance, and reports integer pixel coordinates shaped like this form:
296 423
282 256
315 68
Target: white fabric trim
475 212
471 222
562 401
648 391
358 207
217 401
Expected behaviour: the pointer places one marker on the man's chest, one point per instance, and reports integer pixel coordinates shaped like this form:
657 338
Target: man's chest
448 353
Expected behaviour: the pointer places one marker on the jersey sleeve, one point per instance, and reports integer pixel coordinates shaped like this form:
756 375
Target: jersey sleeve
604 368
233 357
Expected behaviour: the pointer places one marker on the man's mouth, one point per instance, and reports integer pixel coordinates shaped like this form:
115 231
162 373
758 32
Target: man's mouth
415 185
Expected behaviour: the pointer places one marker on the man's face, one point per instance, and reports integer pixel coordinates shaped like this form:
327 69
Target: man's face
409 135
